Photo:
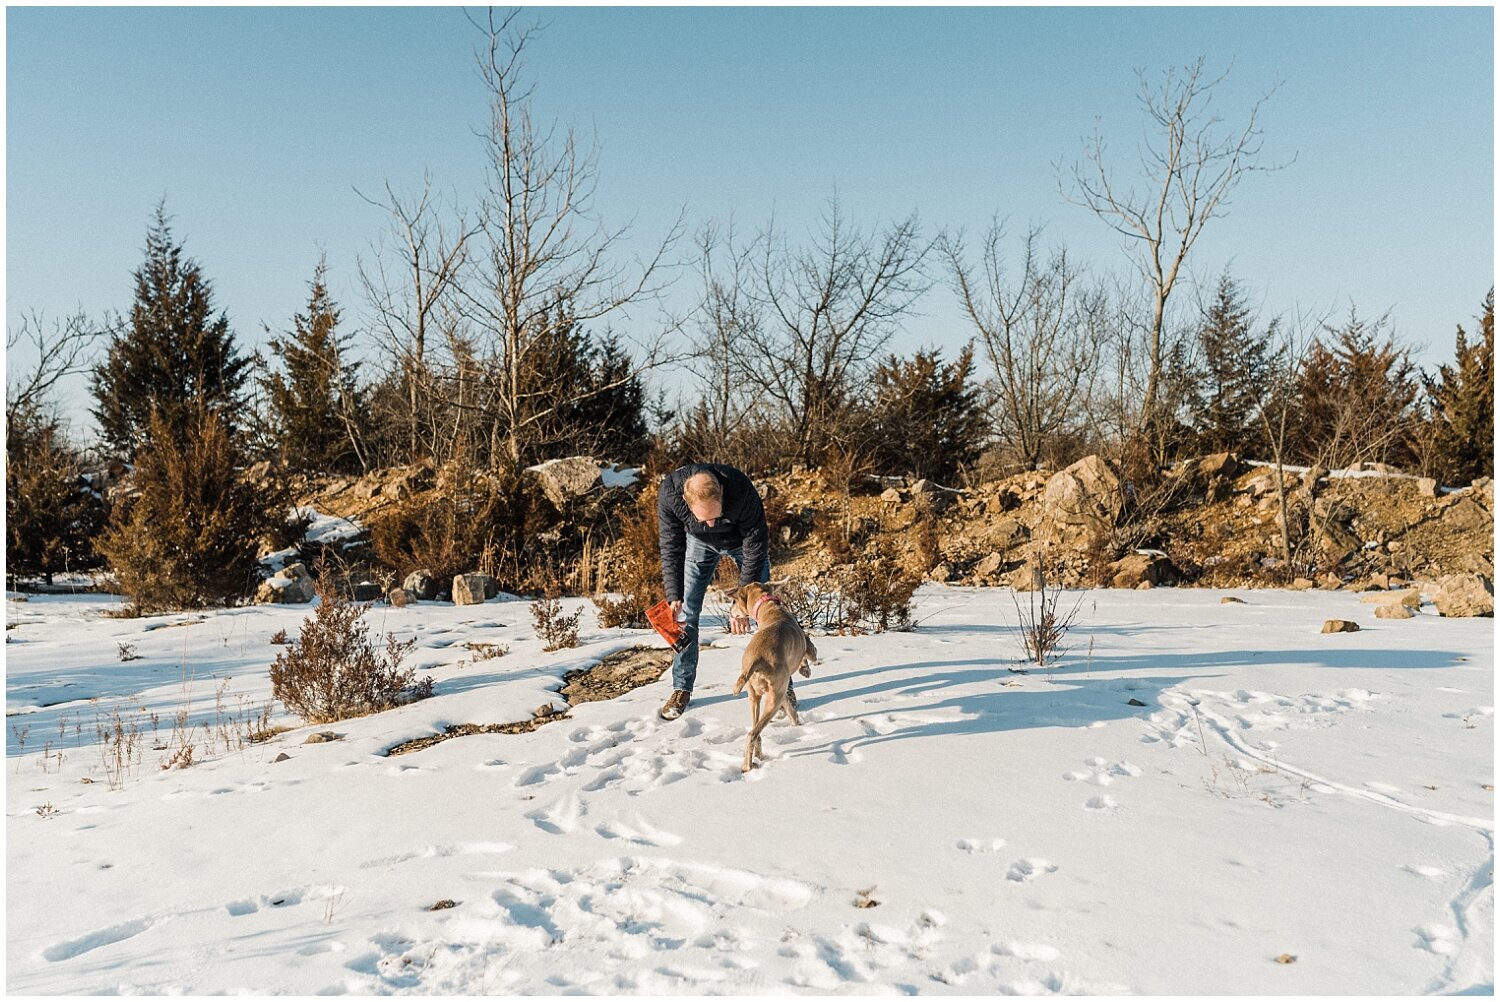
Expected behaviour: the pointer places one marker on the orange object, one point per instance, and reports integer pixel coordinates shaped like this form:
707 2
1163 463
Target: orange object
665 623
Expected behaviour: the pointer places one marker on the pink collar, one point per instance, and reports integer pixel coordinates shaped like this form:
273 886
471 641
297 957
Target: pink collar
766 597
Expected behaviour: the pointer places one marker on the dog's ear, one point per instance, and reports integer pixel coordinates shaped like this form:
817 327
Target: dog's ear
777 584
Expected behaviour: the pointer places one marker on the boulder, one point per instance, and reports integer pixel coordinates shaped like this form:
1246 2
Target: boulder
1340 626
1410 598
565 480
400 598
1027 577
291 585
473 589
1465 516
1137 569
1393 611
1087 493
1464 595
989 565
1427 487
931 496
420 586
891 496
1220 465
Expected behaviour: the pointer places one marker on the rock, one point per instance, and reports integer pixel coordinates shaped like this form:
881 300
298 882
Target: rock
1427 487
989 565
1464 595
1231 600
1340 626
1262 485
940 573
283 757
891 496
1393 611
404 481
1088 493
1385 468
322 737
1303 584
289 586
565 480
1411 598
400 598
473 589
1027 577
1221 465
1138 569
931 496
420 586
1144 586
1465 516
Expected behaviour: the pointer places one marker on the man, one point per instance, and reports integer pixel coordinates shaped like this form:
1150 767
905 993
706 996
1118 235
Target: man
704 511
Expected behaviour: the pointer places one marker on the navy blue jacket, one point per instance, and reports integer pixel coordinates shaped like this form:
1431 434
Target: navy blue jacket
743 524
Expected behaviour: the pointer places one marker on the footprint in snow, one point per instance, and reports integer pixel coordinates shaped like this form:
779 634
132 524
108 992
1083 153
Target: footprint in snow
972 845
1023 870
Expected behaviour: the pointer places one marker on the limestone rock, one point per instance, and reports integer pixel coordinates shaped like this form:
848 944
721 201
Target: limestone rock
1393 611
1410 598
1340 626
1027 577
1088 493
1427 487
1464 595
1138 569
289 586
564 480
400 598
473 589
989 565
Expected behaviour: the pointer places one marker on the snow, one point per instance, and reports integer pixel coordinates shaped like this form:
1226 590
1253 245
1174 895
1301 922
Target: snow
1281 794
619 476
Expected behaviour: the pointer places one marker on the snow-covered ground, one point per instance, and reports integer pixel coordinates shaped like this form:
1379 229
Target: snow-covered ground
1288 812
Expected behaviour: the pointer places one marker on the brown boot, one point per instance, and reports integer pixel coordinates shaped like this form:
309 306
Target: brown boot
675 704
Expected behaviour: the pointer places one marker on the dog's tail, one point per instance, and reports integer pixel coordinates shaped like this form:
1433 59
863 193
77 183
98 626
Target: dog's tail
744 678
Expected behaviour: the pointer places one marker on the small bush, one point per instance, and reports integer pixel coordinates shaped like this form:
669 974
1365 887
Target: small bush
634 567
877 592
557 630
1042 625
332 671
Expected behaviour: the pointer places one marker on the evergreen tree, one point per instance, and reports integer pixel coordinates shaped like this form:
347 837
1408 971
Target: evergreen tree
927 419
188 538
583 396
1462 404
316 410
51 513
175 357
1356 392
1234 364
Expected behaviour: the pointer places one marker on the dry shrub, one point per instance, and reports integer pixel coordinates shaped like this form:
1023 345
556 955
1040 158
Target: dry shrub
928 542
332 671
491 521
557 630
635 566
877 591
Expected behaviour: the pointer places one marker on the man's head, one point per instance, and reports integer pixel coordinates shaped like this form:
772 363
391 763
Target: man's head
705 497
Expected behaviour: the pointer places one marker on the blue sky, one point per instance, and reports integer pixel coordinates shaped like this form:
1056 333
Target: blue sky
257 125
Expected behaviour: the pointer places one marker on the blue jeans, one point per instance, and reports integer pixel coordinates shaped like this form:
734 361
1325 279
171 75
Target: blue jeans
699 564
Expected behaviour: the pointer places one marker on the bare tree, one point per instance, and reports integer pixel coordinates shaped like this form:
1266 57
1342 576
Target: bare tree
63 348
1042 332
831 307
544 265
729 323
1278 418
409 284
1189 165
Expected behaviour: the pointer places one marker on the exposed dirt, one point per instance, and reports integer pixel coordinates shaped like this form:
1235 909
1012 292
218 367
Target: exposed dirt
613 676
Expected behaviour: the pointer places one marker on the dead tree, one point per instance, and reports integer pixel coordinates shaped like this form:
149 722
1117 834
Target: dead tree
1041 332
1189 165
543 264
831 307
409 284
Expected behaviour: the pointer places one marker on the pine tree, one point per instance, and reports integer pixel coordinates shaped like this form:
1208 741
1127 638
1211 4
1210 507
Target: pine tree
1233 368
189 537
927 419
1356 392
1462 404
51 514
316 410
174 358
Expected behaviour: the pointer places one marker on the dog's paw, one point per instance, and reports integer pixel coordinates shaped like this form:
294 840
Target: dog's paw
805 671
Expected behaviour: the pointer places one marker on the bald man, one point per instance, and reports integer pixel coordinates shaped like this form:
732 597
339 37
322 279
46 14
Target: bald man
704 511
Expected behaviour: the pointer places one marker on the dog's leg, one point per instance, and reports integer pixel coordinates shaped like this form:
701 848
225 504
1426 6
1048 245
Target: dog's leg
753 697
752 745
791 711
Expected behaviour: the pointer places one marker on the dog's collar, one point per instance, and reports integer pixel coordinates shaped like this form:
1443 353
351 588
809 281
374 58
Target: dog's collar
766 597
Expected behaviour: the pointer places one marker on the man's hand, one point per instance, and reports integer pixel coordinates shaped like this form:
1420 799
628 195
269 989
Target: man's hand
677 609
739 624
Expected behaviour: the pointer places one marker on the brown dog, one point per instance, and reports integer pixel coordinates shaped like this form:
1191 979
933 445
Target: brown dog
778 648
